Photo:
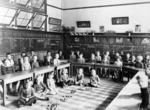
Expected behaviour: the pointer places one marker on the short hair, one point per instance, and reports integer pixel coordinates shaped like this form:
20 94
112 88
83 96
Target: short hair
8 53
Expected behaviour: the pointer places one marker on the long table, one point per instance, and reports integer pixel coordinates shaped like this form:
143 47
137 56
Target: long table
17 76
129 97
10 78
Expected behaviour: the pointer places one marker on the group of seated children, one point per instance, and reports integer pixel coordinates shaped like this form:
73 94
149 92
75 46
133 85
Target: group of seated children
114 58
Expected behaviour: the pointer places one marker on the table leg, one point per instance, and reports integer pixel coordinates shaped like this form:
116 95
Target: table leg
4 93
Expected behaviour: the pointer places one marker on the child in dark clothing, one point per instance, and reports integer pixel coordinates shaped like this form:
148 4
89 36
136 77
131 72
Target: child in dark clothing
139 63
27 95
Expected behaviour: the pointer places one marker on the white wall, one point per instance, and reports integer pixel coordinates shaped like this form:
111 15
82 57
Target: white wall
101 16
54 12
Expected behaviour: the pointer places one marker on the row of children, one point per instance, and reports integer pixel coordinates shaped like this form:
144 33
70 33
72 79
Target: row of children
25 63
31 92
108 58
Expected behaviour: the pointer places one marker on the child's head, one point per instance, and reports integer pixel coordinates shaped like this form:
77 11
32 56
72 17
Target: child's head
6 62
107 53
34 58
80 71
78 52
139 58
57 56
8 56
93 72
117 54
98 53
133 58
48 53
60 52
23 54
147 57
27 84
128 55
32 52
81 55
92 56
118 59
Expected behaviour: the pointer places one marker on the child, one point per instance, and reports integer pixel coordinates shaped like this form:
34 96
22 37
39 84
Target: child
10 60
48 55
51 85
40 89
61 55
143 83
133 61
93 60
147 61
127 59
48 61
21 59
117 74
79 79
27 95
25 64
7 69
64 79
32 54
35 63
77 54
98 57
94 79
105 61
56 61
139 63
72 56
81 59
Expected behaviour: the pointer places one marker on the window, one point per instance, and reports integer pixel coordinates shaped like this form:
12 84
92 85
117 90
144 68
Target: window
22 2
6 15
38 20
37 3
24 18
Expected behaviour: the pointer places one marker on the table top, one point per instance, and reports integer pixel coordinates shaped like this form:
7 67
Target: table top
129 97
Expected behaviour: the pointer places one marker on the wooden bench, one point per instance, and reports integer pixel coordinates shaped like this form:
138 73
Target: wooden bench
129 97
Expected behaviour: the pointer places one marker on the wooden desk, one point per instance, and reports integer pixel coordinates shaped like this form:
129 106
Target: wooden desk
10 78
128 98
42 70
131 70
77 64
109 66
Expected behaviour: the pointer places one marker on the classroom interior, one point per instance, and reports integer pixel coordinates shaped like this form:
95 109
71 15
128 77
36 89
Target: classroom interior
95 54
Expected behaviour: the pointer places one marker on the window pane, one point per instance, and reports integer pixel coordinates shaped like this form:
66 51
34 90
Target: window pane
37 3
38 20
7 20
23 18
11 13
23 2
6 15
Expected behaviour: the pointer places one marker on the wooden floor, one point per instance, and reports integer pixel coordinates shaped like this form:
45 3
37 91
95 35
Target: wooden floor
97 99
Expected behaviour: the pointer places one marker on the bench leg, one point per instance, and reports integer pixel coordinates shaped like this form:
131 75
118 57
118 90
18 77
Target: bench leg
4 93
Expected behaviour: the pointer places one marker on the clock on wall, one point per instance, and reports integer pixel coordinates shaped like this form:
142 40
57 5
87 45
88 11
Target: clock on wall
120 20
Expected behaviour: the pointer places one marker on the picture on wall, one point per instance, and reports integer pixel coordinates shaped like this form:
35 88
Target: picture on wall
54 21
102 29
137 28
83 24
120 20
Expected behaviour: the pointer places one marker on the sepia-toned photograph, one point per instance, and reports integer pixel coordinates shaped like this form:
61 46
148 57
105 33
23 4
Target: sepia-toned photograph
74 54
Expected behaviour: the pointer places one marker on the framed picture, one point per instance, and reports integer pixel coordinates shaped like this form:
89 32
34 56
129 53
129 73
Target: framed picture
83 24
54 21
120 20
